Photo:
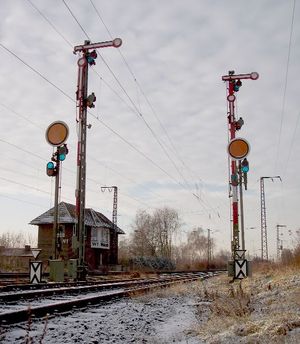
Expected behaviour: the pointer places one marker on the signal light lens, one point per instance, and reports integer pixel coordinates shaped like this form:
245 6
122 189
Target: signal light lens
234 180
245 169
245 166
50 165
51 171
91 57
62 152
61 157
237 85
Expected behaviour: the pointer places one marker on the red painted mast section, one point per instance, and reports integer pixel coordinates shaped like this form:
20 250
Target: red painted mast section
232 130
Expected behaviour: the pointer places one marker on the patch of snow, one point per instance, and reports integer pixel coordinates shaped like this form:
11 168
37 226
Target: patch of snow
144 319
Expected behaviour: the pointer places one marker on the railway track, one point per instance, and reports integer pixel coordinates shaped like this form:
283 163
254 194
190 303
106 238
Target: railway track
19 306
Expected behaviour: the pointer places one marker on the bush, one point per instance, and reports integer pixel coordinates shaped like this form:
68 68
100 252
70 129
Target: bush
152 263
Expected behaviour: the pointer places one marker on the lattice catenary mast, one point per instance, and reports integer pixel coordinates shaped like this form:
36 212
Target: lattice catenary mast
114 243
263 218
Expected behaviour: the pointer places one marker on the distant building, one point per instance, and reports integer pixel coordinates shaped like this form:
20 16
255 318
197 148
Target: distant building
14 259
101 245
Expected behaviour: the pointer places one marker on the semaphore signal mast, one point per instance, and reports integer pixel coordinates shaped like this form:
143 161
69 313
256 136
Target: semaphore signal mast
88 55
238 149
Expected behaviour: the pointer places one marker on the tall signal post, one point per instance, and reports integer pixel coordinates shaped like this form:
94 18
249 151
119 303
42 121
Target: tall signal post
263 218
88 56
56 135
114 241
238 150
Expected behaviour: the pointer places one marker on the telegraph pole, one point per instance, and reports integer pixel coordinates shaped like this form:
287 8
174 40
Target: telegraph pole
279 246
83 101
263 218
114 243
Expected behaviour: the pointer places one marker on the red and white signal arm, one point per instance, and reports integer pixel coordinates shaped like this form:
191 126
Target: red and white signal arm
238 148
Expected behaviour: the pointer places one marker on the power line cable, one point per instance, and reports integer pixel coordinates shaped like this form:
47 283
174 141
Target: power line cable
31 187
122 176
68 185
292 144
4 168
285 85
152 109
104 124
109 128
22 149
140 115
39 157
70 11
21 116
72 14
36 72
20 200
143 93
33 154
50 23
112 89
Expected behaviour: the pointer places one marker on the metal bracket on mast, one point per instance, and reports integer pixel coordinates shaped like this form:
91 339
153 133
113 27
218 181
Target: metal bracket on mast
230 76
117 42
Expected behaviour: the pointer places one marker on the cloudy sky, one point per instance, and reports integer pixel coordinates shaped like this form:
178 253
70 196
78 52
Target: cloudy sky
159 126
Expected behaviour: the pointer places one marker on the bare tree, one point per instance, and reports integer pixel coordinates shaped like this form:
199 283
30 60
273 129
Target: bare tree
153 235
13 240
197 244
124 251
195 249
143 240
165 224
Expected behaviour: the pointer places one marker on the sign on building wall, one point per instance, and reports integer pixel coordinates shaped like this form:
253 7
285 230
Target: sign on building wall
100 238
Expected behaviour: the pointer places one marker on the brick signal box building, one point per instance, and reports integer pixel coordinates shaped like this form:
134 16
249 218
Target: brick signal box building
101 244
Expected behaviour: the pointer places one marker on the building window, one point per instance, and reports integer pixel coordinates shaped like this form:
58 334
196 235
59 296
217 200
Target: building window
100 238
61 231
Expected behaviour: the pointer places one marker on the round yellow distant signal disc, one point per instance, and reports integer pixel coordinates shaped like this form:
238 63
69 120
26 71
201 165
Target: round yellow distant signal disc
238 148
57 133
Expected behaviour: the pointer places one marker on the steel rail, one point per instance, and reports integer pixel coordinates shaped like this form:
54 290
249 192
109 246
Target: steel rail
17 316
16 296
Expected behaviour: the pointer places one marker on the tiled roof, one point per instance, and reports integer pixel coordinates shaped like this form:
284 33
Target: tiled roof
15 252
66 214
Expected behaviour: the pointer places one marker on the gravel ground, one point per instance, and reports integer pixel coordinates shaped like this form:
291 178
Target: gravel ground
262 309
146 319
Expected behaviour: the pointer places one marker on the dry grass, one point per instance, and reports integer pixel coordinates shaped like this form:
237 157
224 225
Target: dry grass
234 304
163 292
262 309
